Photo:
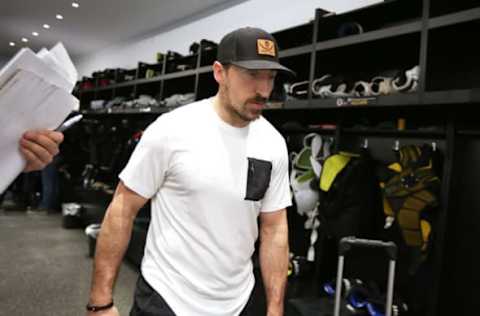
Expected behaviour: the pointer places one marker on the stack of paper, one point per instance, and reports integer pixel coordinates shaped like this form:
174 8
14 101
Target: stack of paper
35 93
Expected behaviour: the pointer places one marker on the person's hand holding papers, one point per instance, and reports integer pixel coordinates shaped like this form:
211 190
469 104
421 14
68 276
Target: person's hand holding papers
35 98
38 147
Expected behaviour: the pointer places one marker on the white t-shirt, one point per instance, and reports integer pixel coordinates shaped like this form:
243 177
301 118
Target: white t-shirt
194 167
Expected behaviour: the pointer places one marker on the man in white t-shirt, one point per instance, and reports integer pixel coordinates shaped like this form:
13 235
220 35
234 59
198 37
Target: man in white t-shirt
211 169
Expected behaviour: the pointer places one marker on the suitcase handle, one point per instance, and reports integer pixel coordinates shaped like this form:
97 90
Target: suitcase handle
347 243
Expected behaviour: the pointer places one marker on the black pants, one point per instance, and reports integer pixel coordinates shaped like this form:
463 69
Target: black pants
147 302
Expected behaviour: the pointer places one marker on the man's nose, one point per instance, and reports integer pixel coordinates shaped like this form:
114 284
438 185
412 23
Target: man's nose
264 87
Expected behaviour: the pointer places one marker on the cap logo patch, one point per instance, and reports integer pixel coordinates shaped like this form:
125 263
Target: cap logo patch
265 47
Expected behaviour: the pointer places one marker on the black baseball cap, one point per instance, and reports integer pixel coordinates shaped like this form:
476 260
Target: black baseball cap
250 48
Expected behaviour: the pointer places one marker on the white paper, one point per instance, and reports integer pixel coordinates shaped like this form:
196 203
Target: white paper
51 61
27 60
59 60
34 94
66 63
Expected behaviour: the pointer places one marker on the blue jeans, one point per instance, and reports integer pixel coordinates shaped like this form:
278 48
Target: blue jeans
50 187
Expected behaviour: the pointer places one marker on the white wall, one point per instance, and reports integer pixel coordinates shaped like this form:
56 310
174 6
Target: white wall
271 15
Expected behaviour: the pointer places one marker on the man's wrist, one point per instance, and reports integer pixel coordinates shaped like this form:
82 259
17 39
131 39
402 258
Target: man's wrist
100 302
100 299
97 308
275 310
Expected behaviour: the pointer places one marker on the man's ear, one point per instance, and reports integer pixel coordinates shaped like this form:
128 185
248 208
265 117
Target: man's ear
218 73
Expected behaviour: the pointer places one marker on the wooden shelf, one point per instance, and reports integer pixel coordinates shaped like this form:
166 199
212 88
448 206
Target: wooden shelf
296 51
401 99
205 69
452 96
397 133
465 96
180 74
150 110
148 80
454 18
307 130
433 98
296 104
472 133
389 32
124 84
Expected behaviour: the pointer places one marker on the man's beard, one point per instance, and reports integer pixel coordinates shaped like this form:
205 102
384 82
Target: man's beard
241 114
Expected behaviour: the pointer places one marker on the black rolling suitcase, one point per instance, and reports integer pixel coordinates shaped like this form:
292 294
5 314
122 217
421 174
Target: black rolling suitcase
346 244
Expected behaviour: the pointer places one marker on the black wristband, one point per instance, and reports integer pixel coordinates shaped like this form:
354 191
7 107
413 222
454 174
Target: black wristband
95 308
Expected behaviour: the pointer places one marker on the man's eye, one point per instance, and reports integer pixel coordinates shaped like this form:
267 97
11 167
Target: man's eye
258 75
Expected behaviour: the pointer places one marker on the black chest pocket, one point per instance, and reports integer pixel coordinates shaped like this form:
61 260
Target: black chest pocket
258 178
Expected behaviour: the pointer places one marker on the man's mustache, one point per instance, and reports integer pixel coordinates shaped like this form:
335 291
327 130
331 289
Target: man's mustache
258 99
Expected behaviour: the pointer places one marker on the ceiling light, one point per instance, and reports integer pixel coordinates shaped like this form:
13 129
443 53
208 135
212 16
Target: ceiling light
34 33
59 17
25 40
46 26
11 44
75 4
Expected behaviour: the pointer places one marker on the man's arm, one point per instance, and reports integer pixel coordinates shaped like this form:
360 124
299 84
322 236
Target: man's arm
39 147
112 243
274 258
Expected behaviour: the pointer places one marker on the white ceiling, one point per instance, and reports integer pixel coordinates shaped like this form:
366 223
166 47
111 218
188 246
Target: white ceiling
95 24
